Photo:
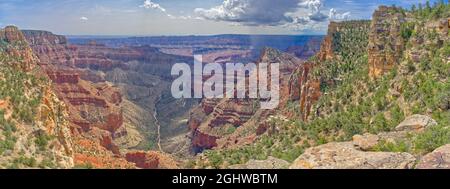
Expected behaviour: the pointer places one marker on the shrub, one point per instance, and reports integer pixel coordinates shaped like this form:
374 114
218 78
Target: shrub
397 115
431 139
215 159
379 124
28 162
398 146
406 30
42 141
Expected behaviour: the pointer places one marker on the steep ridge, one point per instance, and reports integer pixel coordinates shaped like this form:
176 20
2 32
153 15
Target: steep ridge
352 88
34 131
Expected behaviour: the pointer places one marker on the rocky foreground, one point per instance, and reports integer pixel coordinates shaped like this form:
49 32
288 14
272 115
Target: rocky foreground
364 152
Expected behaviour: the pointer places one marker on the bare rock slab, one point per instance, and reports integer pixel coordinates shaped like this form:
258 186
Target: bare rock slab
438 159
270 163
344 156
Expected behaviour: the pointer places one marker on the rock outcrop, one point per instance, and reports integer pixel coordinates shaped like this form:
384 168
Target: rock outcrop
438 159
326 49
345 156
386 44
304 89
361 153
15 45
416 123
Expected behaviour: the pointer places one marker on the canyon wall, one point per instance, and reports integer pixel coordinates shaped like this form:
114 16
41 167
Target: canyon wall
103 120
94 109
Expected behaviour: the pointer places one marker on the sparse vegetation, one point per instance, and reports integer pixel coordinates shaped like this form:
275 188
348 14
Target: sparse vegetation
398 146
42 140
431 139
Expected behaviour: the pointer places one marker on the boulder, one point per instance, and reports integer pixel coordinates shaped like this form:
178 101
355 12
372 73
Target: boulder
365 142
416 123
438 159
344 156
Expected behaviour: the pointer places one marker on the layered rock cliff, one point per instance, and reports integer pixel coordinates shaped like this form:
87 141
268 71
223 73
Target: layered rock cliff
109 92
223 123
94 108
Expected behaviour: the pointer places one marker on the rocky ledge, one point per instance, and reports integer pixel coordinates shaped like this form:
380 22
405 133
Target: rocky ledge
360 153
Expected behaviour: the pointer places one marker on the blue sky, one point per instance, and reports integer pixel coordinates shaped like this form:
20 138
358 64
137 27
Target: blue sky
185 17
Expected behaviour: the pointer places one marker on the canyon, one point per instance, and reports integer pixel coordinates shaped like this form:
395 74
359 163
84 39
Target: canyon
111 94
119 108
368 94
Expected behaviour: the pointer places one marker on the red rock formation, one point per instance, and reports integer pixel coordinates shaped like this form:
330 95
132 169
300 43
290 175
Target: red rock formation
143 160
89 152
48 114
108 143
77 101
201 141
326 50
302 86
95 113
304 89
151 160
63 76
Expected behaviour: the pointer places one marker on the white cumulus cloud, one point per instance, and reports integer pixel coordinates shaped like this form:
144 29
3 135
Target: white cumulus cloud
149 4
333 15
83 18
